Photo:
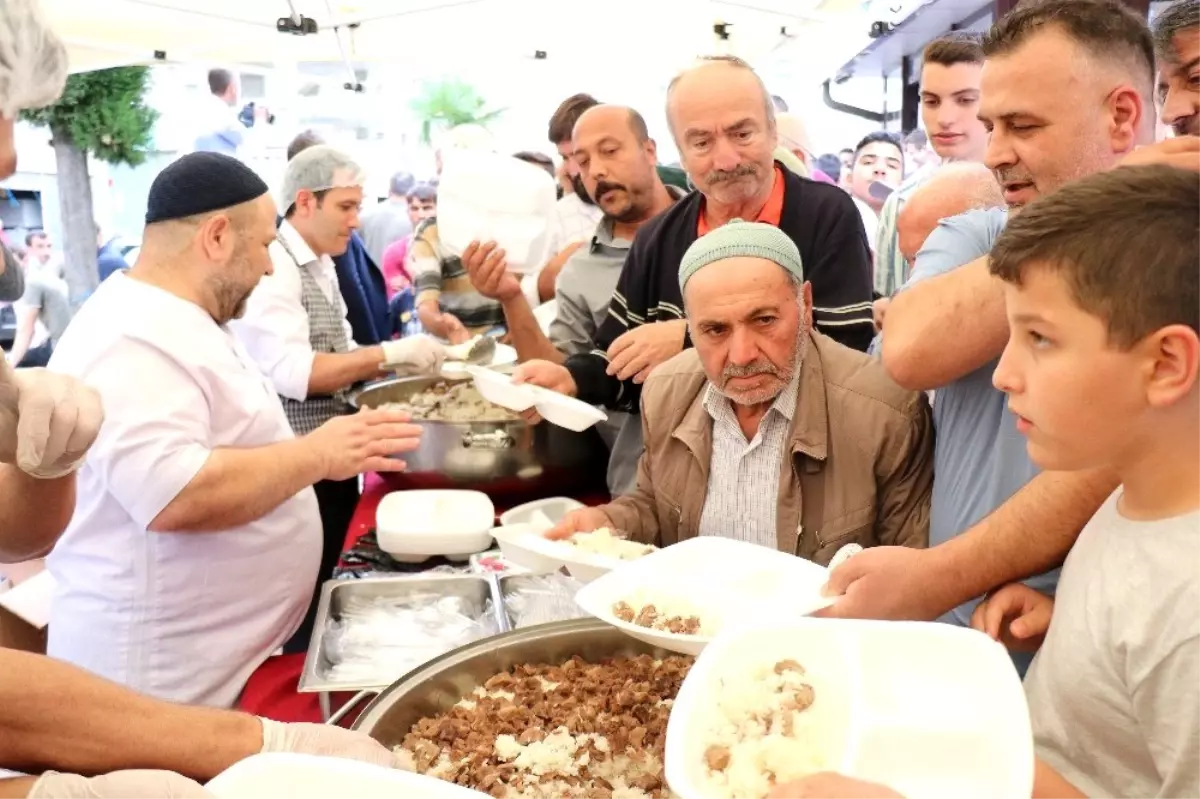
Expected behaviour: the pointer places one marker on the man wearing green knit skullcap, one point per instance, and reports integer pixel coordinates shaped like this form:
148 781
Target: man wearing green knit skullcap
742 239
767 431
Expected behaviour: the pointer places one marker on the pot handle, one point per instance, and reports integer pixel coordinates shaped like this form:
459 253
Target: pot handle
497 440
355 701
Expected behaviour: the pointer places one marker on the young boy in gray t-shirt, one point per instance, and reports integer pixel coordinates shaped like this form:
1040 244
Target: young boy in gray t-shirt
1101 371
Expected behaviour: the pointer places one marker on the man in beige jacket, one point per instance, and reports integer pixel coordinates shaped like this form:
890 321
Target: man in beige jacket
768 432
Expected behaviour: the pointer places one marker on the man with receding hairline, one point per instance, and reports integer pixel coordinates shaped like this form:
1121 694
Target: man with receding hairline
723 122
1066 90
1177 42
196 538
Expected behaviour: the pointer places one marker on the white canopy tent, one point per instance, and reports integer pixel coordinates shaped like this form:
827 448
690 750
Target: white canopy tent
646 39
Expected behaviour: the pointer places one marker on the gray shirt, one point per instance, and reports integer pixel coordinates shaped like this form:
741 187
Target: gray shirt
49 295
980 459
12 281
1114 693
584 289
383 224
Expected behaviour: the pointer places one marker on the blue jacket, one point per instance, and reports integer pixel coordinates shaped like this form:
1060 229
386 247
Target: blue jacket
364 292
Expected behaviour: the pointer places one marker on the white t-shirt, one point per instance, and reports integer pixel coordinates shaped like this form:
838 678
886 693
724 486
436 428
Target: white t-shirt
870 220
1114 693
181 616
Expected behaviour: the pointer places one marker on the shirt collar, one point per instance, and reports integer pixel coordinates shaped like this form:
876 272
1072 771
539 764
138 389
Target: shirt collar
295 244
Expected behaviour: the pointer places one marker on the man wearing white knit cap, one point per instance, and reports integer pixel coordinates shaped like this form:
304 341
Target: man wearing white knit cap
768 431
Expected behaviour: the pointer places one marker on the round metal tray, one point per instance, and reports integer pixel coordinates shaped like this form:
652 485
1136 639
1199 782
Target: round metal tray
440 684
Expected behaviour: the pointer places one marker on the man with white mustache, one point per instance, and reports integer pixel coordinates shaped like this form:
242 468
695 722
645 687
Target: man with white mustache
768 431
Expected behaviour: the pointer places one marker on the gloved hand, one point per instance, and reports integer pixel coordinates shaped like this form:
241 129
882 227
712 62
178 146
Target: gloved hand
47 421
134 784
329 741
414 355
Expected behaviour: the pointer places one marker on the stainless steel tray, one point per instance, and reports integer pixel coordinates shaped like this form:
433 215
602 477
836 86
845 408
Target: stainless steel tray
442 682
335 594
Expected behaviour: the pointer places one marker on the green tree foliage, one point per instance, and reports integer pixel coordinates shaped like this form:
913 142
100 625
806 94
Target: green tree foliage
102 114
448 103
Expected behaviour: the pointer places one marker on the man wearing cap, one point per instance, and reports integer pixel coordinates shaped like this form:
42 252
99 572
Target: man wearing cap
195 542
767 431
295 324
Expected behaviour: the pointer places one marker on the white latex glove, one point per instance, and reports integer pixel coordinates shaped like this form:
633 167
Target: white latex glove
328 741
144 784
414 354
47 421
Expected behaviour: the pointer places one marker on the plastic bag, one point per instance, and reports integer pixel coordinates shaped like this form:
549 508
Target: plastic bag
377 640
543 599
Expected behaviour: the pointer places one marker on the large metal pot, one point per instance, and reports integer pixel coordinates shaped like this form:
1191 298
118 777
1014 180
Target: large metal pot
441 683
510 457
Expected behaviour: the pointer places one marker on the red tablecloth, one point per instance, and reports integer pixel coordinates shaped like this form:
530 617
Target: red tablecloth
271 690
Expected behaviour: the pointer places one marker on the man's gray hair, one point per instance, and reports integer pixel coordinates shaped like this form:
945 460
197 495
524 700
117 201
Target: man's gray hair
316 169
33 60
1179 17
731 61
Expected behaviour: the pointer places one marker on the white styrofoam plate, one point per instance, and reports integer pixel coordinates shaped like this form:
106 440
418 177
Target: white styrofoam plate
568 412
728 583
928 709
413 526
525 545
294 776
500 389
541 513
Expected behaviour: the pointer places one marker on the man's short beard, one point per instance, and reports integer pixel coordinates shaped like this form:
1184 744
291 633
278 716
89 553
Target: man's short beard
784 375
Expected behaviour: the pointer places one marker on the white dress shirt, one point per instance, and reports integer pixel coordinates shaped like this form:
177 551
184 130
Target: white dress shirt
275 327
181 616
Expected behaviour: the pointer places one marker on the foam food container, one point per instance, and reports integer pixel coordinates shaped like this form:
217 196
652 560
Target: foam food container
728 583
484 196
931 710
413 526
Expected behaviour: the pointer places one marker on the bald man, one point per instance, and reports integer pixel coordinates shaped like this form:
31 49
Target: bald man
616 159
952 190
196 537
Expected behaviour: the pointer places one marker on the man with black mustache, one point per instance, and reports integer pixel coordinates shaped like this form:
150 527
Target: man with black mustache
616 160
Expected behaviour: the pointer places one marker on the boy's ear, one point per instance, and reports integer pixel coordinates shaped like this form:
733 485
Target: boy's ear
1176 353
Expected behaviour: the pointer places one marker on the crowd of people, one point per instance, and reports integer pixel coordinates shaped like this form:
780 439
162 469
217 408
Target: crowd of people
975 352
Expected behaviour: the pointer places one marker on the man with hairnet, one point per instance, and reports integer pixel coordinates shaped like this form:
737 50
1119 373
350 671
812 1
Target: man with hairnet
56 720
295 326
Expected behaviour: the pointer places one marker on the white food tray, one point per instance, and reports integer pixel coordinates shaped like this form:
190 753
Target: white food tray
413 526
727 583
931 710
